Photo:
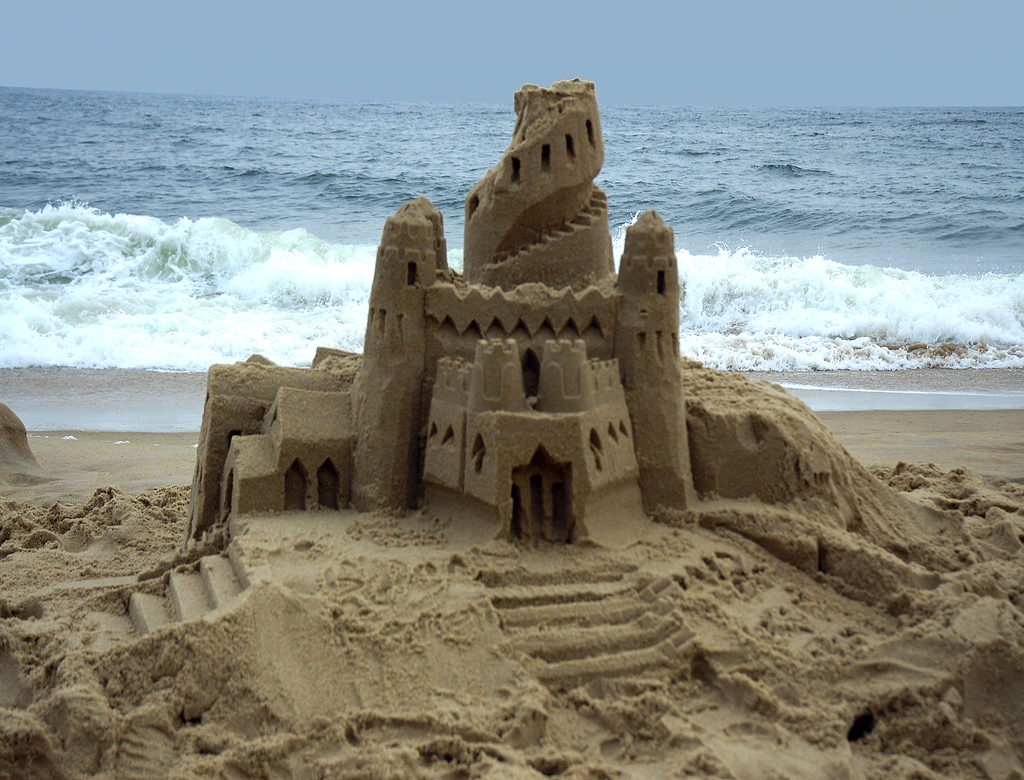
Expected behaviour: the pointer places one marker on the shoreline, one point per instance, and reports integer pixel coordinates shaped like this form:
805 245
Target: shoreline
123 400
903 390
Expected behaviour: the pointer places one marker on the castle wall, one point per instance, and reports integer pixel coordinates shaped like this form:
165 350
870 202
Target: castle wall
502 446
458 316
647 347
559 471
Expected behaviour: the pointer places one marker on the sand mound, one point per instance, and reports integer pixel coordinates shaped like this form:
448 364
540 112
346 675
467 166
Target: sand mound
832 623
769 470
18 466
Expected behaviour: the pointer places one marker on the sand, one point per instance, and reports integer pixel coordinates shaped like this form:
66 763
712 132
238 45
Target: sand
373 645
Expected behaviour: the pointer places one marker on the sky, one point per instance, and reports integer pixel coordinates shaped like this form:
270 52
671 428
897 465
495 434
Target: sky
714 52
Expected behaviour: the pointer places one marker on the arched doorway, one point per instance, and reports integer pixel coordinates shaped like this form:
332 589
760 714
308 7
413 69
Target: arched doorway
542 499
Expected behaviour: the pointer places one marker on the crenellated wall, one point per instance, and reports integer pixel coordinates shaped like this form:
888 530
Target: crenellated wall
459 315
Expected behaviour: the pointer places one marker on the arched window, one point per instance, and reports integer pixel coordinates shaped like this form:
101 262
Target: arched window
327 484
295 486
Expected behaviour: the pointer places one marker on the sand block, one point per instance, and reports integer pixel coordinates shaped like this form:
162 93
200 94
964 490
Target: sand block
219 580
148 612
188 595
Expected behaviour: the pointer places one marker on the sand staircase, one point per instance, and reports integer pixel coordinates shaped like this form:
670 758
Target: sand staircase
597 205
568 633
189 595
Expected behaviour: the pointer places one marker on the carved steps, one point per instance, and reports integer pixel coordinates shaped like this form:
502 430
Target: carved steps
145 749
189 595
573 633
582 221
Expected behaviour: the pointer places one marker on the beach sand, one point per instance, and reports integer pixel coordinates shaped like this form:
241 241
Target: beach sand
379 646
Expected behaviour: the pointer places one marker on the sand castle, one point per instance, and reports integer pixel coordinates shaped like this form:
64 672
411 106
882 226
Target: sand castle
802 615
537 389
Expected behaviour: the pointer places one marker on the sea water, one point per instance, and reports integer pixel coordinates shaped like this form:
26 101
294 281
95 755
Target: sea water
172 232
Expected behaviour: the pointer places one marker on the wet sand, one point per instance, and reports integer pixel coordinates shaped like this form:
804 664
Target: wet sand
53 399
951 418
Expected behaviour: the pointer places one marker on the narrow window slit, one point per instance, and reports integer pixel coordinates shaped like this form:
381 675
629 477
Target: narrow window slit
569 149
545 156
515 170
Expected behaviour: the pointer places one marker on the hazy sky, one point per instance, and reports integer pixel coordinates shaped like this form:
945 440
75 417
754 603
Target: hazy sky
714 52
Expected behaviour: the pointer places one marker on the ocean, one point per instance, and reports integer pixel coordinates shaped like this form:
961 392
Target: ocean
170 232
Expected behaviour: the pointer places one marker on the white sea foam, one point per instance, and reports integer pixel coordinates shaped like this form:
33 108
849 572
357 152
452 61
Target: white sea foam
82 288
741 311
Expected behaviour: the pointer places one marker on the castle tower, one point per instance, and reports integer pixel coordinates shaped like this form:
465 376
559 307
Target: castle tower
537 216
647 347
386 396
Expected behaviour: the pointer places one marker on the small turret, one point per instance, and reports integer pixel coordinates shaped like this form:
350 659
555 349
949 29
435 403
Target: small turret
496 383
566 381
647 347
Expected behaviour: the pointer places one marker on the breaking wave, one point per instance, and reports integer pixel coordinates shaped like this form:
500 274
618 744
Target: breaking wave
82 288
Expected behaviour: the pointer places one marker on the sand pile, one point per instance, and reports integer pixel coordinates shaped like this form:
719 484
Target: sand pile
752 444
807 618
18 466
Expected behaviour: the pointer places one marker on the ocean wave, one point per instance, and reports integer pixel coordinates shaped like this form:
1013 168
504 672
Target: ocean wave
87 289
743 311
79 287
789 169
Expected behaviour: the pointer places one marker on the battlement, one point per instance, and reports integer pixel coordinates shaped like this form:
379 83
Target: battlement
452 381
566 383
649 262
604 375
412 250
562 310
496 382
414 224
